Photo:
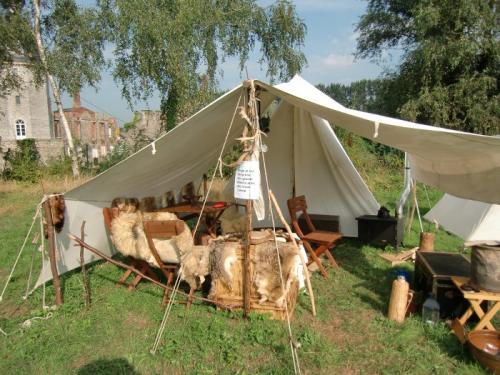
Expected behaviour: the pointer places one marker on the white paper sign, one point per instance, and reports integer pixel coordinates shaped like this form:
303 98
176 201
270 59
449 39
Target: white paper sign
247 180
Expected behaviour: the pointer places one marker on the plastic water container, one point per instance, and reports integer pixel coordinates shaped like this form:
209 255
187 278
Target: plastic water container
430 311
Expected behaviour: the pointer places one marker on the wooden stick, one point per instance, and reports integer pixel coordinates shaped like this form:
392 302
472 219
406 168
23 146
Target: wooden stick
86 286
56 281
246 260
136 271
413 206
304 262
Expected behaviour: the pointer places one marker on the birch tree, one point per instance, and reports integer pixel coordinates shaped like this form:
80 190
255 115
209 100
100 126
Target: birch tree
167 46
63 43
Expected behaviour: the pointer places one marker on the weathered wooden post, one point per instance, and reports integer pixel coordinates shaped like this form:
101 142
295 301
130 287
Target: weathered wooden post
56 281
246 259
86 287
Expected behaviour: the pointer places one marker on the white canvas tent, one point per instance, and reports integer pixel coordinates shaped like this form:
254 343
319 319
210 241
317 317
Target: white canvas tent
468 219
303 151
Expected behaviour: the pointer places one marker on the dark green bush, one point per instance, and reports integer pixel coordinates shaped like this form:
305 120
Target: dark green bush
22 163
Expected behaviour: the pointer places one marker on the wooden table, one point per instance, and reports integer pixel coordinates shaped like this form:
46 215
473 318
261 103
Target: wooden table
211 214
475 299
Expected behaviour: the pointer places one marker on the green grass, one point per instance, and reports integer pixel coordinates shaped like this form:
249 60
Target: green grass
350 335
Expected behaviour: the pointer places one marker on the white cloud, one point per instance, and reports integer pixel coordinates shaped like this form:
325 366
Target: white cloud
334 60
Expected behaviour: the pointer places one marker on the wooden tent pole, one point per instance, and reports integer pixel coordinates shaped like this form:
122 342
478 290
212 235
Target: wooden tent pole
86 286
56 281
246 259
304 262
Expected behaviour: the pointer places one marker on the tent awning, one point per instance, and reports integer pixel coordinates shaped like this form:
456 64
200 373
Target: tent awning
463 164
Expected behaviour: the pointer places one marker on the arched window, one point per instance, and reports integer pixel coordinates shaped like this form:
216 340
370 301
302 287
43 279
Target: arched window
20 129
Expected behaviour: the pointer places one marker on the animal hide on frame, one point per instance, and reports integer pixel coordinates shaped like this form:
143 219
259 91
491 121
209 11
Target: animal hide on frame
129 238
267 278
222 258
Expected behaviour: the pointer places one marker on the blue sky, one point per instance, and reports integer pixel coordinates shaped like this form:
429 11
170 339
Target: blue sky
329 47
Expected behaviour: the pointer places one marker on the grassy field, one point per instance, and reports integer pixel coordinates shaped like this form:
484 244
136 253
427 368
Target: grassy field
350 335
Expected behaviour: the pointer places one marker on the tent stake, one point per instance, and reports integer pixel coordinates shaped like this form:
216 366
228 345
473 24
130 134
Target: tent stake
56 281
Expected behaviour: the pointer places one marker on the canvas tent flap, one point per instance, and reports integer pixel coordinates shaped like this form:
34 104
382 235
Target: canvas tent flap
68 256
468 219
305 153
181 156
325 174
463 164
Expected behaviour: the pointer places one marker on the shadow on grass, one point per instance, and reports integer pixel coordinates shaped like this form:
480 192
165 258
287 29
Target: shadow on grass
377 280
109 367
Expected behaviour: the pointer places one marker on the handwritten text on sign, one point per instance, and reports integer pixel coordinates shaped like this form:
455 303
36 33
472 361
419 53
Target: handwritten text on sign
247 180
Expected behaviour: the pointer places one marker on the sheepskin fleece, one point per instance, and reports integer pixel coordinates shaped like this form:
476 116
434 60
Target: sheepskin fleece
129 238
195 266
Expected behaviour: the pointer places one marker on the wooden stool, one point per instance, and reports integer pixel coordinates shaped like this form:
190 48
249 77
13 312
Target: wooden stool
475 299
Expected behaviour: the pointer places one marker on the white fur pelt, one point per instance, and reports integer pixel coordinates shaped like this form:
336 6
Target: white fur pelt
127 231
174 249
195 266
267 276
128 236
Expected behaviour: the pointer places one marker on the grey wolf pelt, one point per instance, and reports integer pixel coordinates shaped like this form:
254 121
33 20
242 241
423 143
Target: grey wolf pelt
148 204
222 258
57 207
267 273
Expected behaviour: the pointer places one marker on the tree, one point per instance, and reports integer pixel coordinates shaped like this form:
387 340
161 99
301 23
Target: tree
449 74
370 95
62 42
176 47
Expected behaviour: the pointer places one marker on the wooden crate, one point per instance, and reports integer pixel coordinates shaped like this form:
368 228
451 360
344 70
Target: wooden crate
234 297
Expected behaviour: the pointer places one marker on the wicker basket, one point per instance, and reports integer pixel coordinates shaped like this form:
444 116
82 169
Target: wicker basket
234 297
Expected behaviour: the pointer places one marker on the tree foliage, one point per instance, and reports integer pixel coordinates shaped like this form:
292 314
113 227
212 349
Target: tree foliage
73 38
15 39
450 70
175 47
370 95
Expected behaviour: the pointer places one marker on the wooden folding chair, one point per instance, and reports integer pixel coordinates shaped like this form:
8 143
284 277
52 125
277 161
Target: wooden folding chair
165 229
139 264
323 241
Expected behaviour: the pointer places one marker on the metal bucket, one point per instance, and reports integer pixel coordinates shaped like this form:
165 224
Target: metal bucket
485 267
